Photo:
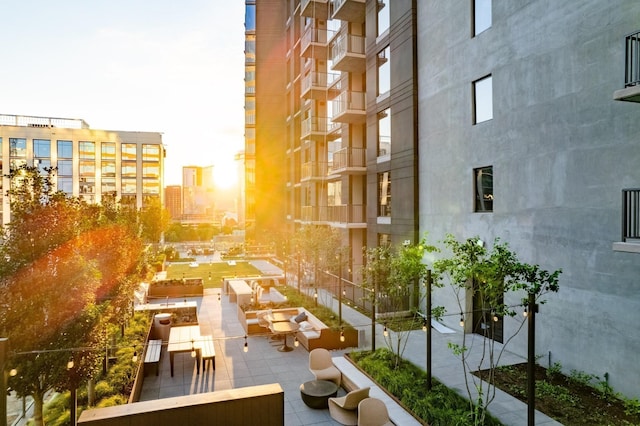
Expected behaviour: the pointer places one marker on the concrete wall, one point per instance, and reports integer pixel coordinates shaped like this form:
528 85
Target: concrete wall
263 405
561 150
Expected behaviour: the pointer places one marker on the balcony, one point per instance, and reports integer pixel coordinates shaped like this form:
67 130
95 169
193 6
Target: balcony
313 215
630 221
315 128
315 84
631 91
348 10
314 43
347 216
349 107
347 53
349 160
317 9
314 171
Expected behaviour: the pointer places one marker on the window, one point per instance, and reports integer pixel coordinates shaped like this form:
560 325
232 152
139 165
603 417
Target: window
383 16
108 169
65 168
128 151
384 194
384 240
128 169
108 185
129 186
150 152
65 184
108 151
481 16
384 71
483 184
41 148
87 150
482 100
384 132
151 170
18 147
65 149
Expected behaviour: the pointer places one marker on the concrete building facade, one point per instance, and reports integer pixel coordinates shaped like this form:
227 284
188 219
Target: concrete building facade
521 139
90 163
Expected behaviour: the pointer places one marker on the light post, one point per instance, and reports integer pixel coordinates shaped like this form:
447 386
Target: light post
340 288
4 348
532 308
73 400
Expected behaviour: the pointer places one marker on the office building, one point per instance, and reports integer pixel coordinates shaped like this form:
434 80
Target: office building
173 201
90 163
198 203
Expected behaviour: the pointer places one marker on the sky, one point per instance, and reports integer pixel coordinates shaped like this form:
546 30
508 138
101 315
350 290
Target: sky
174 67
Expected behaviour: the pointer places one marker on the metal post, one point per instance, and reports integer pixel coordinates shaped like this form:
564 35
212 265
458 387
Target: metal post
429 360
4 348
299 277
373 316
531 361
340 288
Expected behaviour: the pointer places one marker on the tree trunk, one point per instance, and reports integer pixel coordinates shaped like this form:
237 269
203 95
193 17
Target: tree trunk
38 402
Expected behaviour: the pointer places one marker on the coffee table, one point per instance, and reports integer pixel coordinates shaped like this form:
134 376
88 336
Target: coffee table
284 328
316 393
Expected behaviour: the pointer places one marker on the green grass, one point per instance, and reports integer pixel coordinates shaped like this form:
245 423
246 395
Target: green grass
217 271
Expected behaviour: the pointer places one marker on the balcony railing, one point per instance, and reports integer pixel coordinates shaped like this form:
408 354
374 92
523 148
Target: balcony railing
315 84
349 107
314 170
631 215
349 158
632 60
317 39
314 126
347 214
348 52
348 10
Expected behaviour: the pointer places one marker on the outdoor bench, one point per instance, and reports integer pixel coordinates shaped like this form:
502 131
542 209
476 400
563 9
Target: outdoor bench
153 352
208 352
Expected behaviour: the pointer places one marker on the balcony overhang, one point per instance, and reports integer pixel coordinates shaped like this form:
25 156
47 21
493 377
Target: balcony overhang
356 116
314 92
350 11
350 62
349 170
317 9
628 94
315 50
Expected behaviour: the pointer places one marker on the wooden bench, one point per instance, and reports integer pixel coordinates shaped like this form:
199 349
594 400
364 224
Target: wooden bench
352 378
153 352
207 351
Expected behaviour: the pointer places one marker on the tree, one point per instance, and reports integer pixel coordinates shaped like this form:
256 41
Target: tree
390 275
488 277
154 220
317 245
61 275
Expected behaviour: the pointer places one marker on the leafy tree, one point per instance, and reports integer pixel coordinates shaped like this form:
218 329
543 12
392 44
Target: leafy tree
154 220
318 246
390 274
474 272
61 278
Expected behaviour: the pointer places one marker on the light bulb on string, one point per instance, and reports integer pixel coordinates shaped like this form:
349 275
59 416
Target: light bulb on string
193 349
385 332
461 319
246 345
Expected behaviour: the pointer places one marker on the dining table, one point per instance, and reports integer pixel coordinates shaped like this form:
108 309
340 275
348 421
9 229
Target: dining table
284 328
184 338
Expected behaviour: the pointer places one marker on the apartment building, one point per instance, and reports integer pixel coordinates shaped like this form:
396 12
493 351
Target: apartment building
90 163
335 117
198 202
522 138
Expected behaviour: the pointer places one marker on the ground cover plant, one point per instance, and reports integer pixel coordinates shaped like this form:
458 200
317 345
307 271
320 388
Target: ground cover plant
213 273
408 383
578 399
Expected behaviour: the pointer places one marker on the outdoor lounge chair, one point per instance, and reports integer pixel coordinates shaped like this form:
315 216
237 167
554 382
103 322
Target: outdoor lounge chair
344 409
373 412
322 367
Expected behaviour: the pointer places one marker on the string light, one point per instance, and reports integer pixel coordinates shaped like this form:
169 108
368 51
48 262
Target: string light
193 350
461 319
526 311
296 343
70 364
13 372
218 297
495 316
246 345
424 325
342 334
135 356
315 294
385 332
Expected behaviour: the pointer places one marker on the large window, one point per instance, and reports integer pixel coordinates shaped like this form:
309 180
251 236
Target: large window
384 132
42 154
65 149
483 187
483 99
17 152
384 71
87 150
383 16
384 194
481 16
150 152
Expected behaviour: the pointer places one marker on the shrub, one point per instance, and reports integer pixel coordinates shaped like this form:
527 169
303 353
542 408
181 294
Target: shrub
112 401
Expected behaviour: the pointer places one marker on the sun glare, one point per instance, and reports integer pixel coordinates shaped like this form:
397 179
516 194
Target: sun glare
225 175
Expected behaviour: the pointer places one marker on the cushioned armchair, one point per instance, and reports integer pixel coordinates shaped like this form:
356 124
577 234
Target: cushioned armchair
322 367
373 412
344 409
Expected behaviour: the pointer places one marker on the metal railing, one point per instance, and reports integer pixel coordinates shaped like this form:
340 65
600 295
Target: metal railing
632 60
631 214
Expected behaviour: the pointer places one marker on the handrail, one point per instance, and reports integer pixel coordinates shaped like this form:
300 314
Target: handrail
630 214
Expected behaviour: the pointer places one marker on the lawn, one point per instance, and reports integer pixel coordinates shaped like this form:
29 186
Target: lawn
211 273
